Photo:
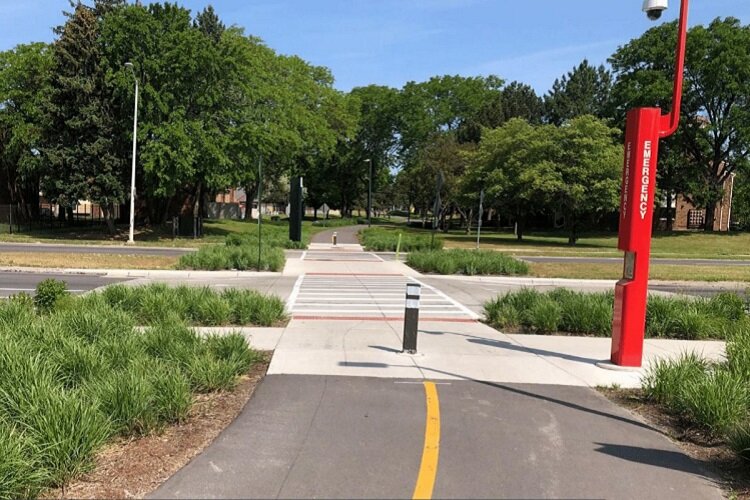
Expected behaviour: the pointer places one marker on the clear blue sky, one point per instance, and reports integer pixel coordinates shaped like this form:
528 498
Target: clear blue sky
390 42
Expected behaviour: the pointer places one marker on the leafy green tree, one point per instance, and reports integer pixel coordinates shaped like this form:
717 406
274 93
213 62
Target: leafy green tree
520 101
583 91
572 170
584 182
713 140
505 165
24 85
78 149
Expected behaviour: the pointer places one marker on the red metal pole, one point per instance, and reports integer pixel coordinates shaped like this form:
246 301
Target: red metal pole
645 126
671 121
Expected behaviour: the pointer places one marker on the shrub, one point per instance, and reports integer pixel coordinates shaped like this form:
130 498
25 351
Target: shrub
666 379
207 373
718 401
241 258
232 348
468 262
726 304
585 313
739 440
48 292
591 314
543 317
380 239
20 475
171 393
72 377
67 430
738 352
126 397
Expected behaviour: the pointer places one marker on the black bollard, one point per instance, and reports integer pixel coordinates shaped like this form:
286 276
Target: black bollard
411 317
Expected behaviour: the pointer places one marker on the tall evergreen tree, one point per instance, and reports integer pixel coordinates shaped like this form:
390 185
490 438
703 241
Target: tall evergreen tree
78 151
583 91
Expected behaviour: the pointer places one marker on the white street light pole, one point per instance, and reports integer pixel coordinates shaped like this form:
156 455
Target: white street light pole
131 241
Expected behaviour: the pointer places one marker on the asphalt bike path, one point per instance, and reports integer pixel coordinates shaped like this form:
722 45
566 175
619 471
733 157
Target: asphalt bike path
354 437
343 414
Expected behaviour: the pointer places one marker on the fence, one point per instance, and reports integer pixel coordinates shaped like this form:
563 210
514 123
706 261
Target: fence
16 219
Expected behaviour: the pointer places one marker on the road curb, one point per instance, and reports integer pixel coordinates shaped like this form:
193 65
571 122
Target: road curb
510 280
140 273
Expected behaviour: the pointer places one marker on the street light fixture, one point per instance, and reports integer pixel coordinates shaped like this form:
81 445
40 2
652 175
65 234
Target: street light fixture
645 127
369 193
131 241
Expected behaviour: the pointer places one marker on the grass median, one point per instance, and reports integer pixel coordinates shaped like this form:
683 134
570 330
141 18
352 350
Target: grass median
76 372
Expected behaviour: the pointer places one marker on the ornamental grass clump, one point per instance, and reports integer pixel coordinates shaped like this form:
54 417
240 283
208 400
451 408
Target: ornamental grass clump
240 252
77 371
380 239
714 397
591 314
467 262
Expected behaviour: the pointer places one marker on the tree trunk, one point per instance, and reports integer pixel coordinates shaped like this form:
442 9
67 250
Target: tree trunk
710 215
573 236
250 191
520 223
197 208
315 213
108 212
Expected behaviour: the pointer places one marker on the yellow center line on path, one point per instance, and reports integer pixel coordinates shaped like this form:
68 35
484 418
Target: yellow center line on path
431 451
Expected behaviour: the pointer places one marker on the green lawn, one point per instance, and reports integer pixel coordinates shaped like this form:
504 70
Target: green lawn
667 245
214 232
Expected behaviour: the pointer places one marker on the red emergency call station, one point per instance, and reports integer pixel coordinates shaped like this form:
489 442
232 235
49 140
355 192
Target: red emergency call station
645 127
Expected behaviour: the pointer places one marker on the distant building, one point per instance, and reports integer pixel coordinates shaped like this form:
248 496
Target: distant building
687 217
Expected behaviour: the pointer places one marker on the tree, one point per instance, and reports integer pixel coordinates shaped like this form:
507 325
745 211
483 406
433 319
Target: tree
713 139
520 101
24 85
78 151
583 91
572 170
505 165
584 182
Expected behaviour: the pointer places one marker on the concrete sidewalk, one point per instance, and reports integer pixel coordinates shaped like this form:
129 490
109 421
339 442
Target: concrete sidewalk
461 351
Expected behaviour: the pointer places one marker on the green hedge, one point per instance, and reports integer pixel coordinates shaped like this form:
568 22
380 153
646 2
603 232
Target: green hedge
468 262
380 239
235 256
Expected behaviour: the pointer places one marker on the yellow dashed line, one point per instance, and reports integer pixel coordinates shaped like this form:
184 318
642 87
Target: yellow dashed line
431 452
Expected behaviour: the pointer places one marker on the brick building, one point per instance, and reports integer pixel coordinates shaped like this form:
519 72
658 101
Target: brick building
688 217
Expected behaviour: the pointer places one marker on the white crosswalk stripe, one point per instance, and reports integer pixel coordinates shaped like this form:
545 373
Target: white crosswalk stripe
368 296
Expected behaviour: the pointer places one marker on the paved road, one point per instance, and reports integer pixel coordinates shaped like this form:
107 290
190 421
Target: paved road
618 260
98 249
14 282
352 437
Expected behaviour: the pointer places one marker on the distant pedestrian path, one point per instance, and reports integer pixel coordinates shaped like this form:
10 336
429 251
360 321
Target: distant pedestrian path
345 235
